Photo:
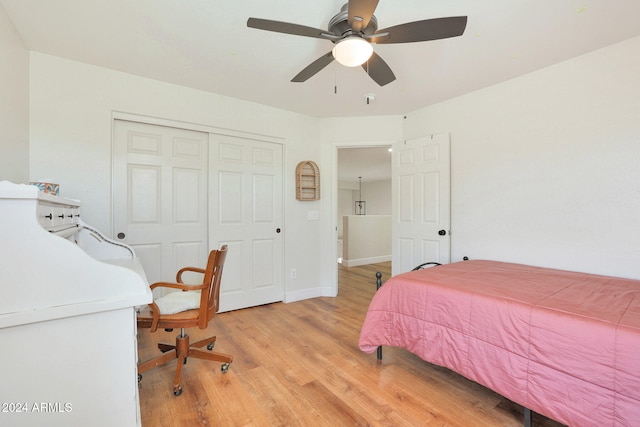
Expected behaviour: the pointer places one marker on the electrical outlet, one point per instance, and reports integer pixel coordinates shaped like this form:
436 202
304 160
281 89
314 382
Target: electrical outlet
293 273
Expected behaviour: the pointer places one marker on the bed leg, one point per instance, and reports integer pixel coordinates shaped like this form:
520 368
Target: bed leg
527 417
378 284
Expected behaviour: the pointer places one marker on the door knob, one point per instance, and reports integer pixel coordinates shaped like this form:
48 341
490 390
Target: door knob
121 236
278 230
442 232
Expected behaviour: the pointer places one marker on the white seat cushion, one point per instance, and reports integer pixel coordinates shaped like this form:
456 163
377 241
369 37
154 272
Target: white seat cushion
175 302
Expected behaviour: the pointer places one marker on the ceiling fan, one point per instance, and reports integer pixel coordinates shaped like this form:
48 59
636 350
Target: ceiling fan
353 31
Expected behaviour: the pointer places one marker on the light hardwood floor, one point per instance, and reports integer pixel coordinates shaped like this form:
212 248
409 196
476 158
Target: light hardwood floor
299 364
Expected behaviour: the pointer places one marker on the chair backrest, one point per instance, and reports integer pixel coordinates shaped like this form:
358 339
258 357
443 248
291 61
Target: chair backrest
210 296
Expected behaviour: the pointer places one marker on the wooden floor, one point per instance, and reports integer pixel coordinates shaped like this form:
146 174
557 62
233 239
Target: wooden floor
299 364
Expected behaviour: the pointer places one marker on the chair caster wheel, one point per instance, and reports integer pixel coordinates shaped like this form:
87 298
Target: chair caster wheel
224 368
177 392
210 346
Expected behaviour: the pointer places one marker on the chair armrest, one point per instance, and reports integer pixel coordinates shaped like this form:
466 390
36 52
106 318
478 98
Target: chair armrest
188 269
181 286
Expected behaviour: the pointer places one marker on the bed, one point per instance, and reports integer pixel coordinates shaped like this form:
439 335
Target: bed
560 343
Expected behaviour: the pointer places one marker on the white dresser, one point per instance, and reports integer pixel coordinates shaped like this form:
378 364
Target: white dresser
67 317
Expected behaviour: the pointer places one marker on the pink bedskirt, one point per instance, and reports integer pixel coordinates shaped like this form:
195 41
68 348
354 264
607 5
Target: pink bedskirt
563 344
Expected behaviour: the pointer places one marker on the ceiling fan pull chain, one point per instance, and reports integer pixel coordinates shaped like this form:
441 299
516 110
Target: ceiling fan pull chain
367 96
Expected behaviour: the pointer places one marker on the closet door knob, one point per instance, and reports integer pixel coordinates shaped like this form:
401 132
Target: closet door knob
121 236
442 232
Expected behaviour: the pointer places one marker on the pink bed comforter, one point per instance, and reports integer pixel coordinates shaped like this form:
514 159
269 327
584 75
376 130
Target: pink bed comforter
563 344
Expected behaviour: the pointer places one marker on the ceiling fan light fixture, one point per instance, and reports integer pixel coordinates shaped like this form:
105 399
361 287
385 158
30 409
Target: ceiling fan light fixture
352 51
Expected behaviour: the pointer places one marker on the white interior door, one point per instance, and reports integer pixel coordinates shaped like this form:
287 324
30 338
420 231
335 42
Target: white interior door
160 196
421 202
246 208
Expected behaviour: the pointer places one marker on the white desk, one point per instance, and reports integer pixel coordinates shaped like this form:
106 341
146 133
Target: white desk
67 319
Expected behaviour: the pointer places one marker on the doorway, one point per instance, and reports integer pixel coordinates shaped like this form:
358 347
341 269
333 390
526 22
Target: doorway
420 201
363 195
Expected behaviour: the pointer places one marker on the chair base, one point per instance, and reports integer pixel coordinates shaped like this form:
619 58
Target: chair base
181 351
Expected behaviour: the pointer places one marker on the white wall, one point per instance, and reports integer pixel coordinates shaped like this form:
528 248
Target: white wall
546 167
14 103
367 239
72 105
376 194
71 110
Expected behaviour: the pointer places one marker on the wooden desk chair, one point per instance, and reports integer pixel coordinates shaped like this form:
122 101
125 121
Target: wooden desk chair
192 305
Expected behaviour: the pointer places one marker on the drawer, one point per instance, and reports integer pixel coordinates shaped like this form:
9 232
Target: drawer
53 217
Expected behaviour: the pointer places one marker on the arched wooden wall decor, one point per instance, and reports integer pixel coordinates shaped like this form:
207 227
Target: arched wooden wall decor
307 181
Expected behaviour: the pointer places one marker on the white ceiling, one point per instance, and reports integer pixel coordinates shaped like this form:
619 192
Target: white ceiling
205 44
370 163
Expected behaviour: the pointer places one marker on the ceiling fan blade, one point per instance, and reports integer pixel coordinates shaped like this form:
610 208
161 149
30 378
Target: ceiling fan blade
362 8
378 70
313 68
286 28
420 31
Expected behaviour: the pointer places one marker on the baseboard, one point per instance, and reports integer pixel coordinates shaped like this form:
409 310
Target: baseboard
320 291
365 261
